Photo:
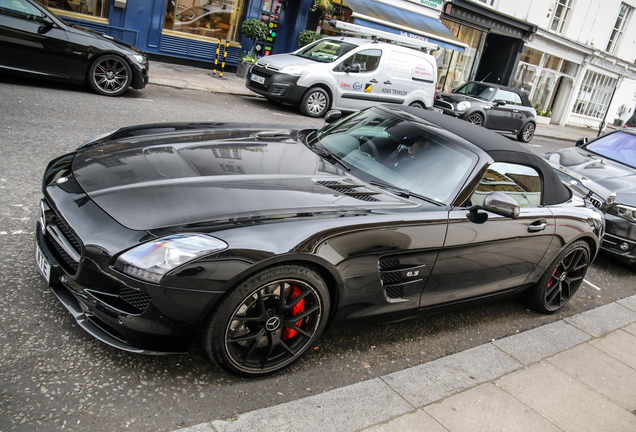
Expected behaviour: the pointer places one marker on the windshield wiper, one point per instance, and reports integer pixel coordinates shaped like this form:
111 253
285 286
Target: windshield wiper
405 193
328 154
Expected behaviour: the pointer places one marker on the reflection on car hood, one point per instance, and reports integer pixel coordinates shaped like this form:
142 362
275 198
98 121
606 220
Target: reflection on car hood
193 176
612 175
101 36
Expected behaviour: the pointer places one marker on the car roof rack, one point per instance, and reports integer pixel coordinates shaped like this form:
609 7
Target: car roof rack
357 30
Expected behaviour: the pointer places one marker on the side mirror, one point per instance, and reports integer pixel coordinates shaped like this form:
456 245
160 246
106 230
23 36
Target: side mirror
581 142
46 24
500 102
332 116
497 203
355 68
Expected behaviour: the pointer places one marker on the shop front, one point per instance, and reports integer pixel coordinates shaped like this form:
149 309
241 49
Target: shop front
495 42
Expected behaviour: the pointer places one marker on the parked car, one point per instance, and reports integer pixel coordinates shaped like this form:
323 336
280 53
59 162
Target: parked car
37 43
502 109
346 73
631 123
607 165
255 238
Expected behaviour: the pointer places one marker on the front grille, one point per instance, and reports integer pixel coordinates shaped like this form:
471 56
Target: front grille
443 104
62 257
69 234
261 71
135 298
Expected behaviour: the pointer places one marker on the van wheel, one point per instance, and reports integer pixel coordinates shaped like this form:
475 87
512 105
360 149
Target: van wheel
416 105
315 103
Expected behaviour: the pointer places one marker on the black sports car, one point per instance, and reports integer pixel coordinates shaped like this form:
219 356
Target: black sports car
36 42
606 166
254 239
503 109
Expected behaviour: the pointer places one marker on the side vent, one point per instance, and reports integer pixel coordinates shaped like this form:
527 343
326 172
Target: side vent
399 279
352 190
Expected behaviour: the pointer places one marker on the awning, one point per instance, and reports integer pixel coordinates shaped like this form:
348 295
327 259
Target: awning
403 22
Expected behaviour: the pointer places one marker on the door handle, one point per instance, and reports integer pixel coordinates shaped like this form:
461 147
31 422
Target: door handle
537 226
373 80
387 82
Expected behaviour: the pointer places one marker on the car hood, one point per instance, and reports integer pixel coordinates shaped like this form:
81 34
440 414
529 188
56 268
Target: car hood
278 61
455 97
153 180
103 38
611 175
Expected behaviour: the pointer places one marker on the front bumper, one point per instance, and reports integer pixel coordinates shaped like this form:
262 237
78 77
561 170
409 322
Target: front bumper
140 77
276 86
620 239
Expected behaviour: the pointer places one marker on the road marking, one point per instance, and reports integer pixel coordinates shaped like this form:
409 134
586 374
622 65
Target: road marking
591 284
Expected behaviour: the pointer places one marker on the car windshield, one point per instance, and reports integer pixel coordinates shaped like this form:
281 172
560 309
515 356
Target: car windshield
401 151
619 146
477 90
325 51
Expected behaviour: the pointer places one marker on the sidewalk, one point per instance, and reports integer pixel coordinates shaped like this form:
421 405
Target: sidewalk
192 78
577 374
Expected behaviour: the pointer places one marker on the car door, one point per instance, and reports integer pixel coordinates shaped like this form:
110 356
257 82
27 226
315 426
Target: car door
358 90
397 74
30 40
504 111
483 258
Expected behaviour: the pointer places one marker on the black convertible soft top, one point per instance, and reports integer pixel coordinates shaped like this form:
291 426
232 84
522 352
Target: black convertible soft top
501 149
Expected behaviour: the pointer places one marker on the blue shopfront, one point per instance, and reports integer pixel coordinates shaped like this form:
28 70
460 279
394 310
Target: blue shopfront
190 30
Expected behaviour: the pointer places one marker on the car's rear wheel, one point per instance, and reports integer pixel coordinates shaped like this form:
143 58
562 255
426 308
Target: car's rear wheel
562 279
526 133
315 102
417 105
109 75
268 321
475 119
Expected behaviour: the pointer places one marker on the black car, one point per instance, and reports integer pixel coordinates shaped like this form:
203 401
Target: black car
502 109
606 166
254 238
36 42
631 122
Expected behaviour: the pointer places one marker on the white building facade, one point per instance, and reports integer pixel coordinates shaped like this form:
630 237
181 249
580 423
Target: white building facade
580 64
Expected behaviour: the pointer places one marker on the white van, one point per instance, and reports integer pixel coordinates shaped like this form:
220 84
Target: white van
348 74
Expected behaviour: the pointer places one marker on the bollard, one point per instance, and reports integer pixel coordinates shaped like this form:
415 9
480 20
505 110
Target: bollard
227 44
216 58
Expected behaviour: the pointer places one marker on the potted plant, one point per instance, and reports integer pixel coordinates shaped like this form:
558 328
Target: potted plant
254 30
306 37
543 116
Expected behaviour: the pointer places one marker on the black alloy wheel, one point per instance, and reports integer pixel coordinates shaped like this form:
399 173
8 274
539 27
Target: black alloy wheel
562 279
109 75
268 321
315 102
526 133
475 119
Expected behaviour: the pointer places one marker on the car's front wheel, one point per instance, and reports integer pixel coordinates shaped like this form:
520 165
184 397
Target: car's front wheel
315 102
526 133
109 75
475 119
562 279
268 321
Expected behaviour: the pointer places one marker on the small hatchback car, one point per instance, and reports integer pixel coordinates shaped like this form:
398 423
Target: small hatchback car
503 109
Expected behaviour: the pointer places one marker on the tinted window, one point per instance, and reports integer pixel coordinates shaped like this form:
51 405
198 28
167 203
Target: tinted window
618 146
20 9
519 182
510 97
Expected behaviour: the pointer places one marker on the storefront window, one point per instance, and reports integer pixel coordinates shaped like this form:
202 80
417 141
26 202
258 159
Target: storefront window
543 90
217 19
569 68
96 8
552 62
594 95
525 77
454 69
532 56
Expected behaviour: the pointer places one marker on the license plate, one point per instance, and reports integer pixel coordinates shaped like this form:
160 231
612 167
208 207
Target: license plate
258 79
43 264
438 110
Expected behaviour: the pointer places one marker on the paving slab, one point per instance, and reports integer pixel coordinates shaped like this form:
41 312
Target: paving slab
630 328
487 408
601 372
629 302
423 384
417 421
346 409
621 345
603 319
534 345
566 402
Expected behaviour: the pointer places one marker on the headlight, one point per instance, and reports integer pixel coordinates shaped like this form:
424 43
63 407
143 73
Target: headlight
295 70
150 261
624 212
142 60
463 106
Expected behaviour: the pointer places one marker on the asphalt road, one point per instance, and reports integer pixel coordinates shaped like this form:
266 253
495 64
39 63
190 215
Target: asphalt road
53 376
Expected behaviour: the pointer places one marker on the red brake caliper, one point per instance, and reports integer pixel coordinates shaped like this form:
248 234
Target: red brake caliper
553 273
298 308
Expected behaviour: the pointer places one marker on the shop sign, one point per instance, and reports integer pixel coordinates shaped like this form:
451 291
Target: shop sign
613 67
473 18
433 4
